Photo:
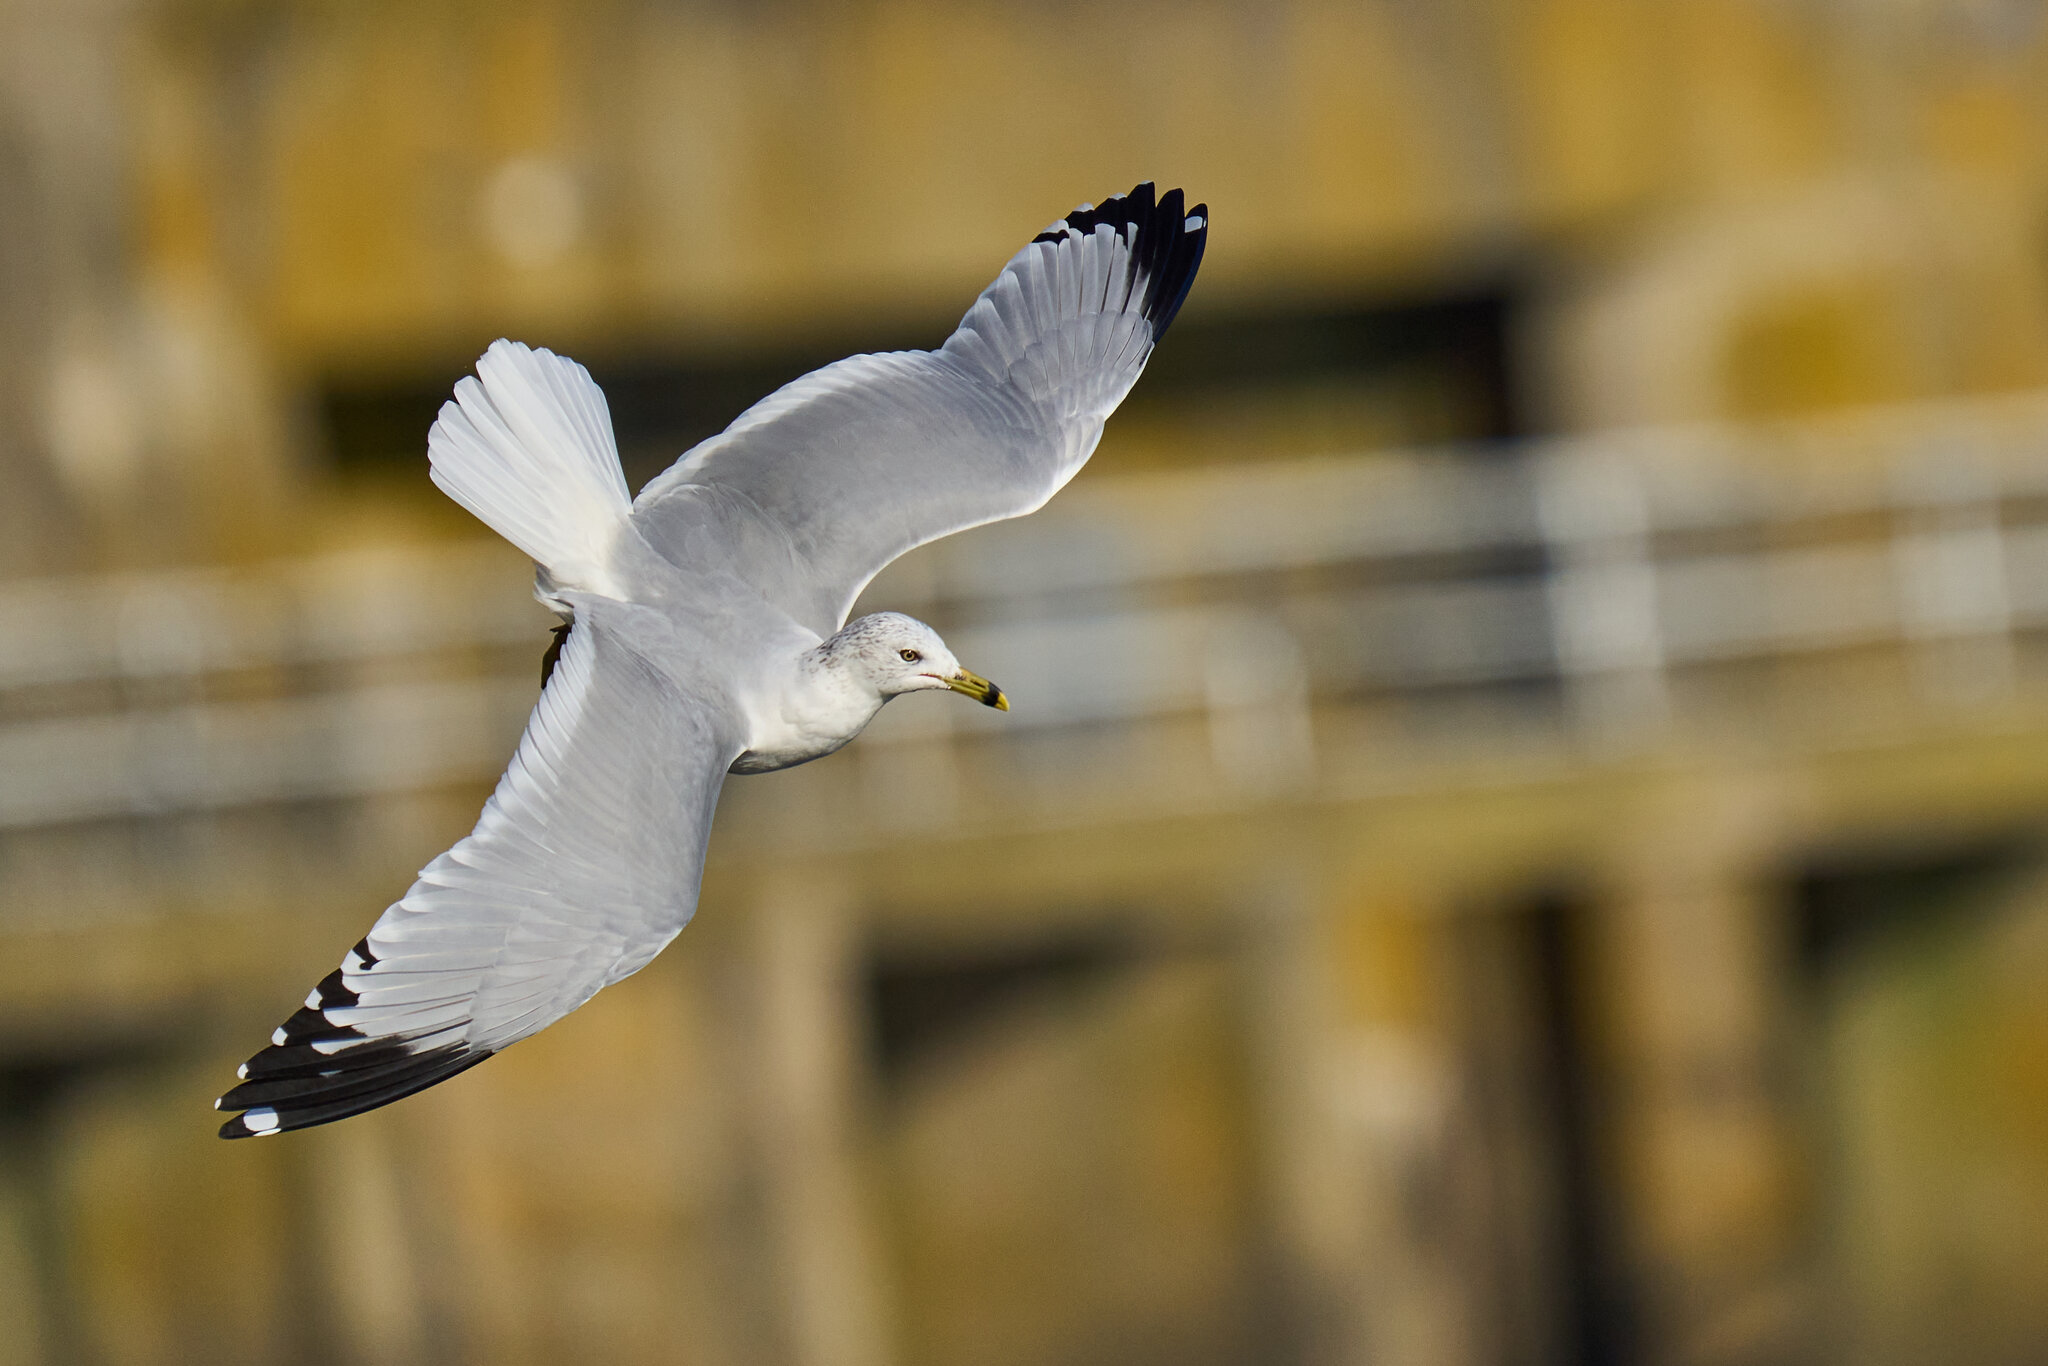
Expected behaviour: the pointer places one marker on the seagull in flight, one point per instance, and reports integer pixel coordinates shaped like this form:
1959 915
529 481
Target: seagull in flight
706 634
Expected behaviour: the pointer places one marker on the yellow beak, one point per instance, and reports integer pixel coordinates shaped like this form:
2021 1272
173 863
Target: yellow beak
980 689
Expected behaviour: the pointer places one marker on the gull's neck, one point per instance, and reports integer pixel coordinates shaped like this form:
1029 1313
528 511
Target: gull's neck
813 707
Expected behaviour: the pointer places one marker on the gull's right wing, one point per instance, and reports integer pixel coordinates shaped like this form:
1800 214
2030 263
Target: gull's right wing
815 488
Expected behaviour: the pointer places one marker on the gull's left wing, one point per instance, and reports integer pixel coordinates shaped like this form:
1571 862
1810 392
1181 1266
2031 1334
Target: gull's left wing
583 866
818 486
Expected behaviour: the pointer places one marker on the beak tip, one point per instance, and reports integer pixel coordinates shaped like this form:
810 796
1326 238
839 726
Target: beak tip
980 689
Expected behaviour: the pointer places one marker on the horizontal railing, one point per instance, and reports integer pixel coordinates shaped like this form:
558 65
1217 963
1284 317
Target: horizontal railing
1607 570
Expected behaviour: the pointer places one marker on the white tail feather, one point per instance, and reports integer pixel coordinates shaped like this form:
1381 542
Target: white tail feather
529 450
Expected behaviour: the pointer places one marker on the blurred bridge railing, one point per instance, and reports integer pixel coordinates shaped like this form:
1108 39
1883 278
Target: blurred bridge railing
1792 581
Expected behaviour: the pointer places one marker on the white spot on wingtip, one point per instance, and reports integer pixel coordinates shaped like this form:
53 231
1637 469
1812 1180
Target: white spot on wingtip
277 1036
242 1072
216 1102
262 1120
1195 223
313 999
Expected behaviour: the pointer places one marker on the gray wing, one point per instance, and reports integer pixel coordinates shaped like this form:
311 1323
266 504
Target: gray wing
817 487
584 865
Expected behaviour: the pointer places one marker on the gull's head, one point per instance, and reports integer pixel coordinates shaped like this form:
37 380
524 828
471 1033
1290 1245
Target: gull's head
896 654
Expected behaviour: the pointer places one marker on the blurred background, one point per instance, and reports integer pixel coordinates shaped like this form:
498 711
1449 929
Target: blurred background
1523 838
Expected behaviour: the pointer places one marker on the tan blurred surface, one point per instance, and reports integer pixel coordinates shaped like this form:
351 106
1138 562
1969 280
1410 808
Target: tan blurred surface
1521 837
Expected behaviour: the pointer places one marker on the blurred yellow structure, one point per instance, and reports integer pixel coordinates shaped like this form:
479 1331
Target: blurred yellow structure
1521 836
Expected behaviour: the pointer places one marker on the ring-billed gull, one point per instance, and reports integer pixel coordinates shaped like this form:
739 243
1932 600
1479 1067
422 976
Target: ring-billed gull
707 635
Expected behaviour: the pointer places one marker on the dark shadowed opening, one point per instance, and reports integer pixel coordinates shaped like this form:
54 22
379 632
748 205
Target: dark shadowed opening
1849 897
664 400
921 1005
1596 1315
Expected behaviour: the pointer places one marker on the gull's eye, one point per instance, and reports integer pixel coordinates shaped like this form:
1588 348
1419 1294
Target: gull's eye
910 656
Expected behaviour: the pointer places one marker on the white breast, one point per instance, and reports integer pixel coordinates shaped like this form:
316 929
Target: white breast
805 715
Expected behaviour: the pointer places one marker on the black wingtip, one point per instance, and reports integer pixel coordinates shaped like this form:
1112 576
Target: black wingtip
351 1085
1167 241
317 1068
238 1127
